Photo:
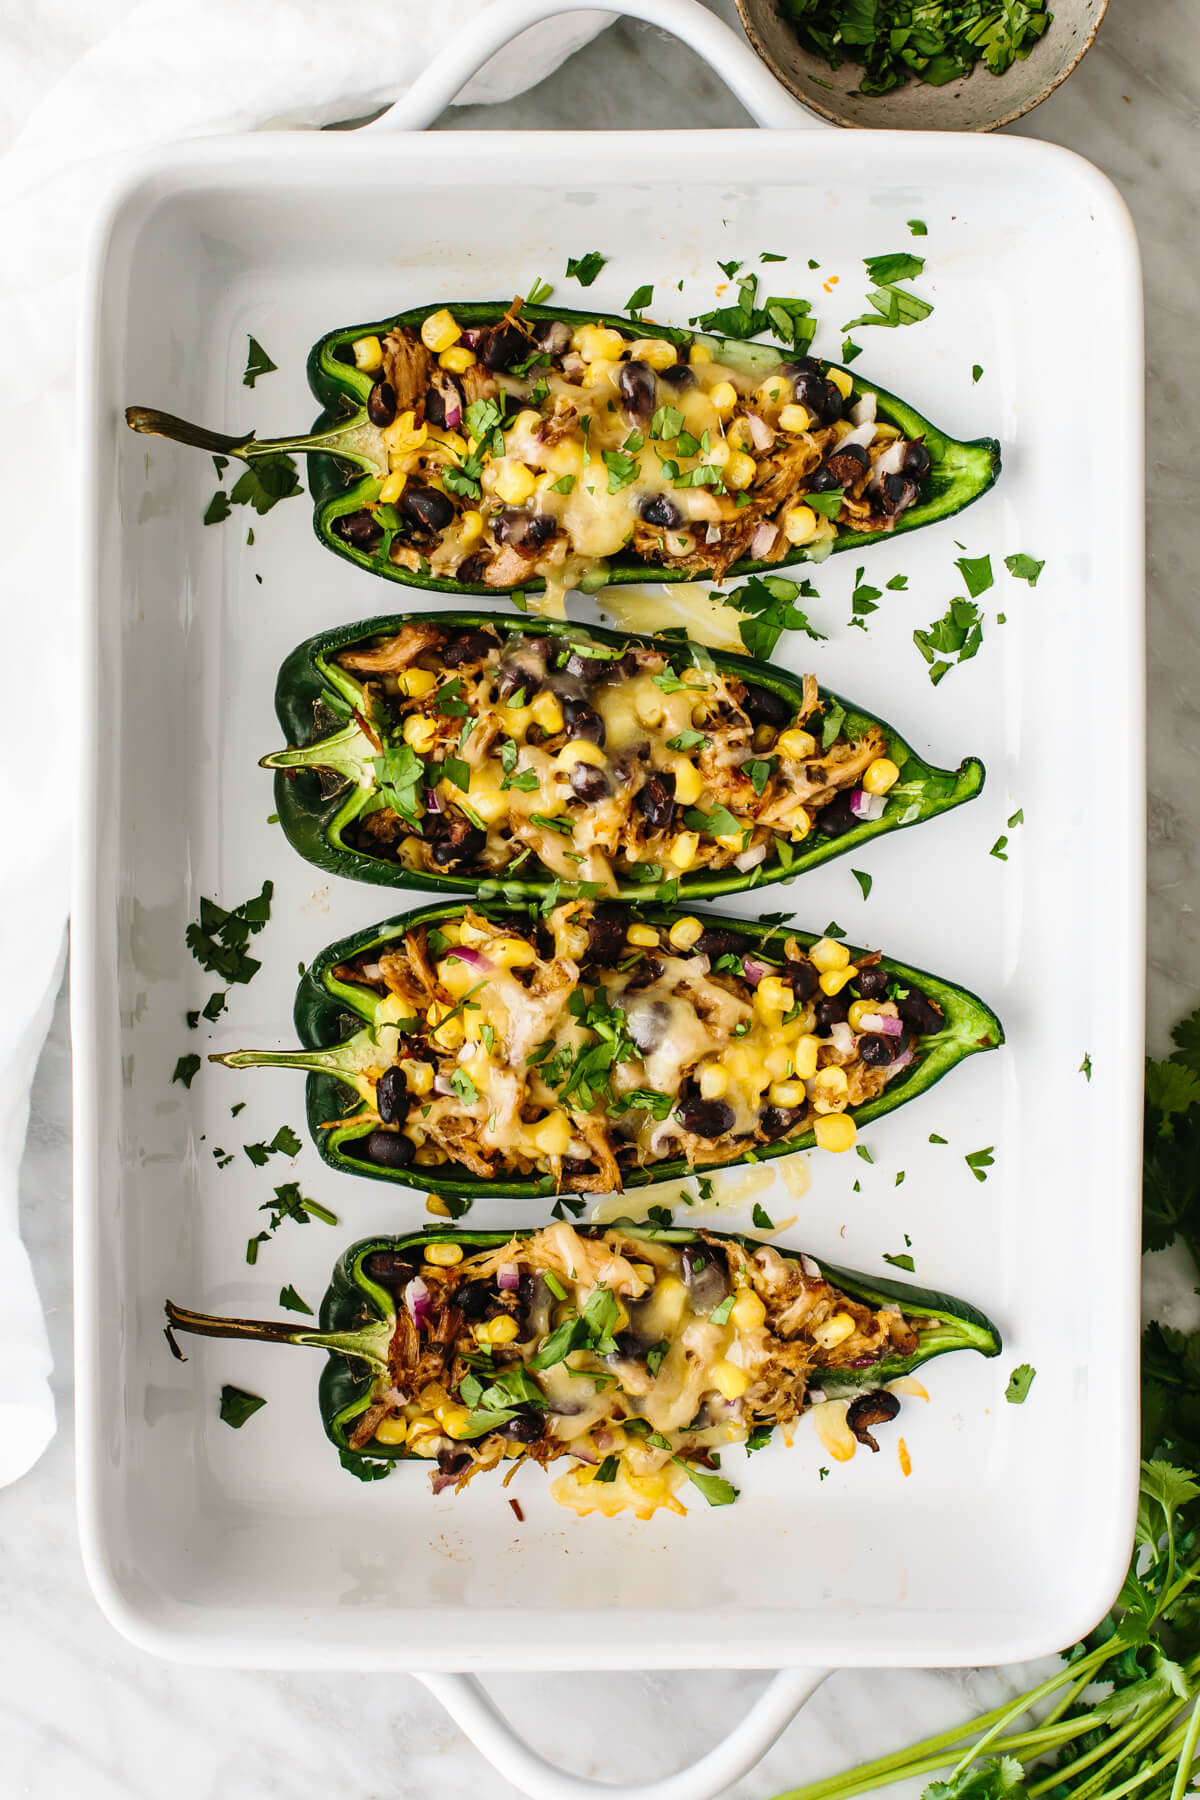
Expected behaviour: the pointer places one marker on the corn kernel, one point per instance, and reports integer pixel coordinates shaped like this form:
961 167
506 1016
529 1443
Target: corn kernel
393 1009
552 1135
649 708
458 359
786 1093
834 1331
834 980
456 975
860 1010
579 750
500 1330
724 396
430 1156
655 351
799 821
804 1057
644 937
700 353
842 381
748 1311
392 1430
391 489
415 683
827 953
368 354
835 1131
796 745
717 454
512 953
596 343
799 524
714 1081
598 372
547 712
470 526
446 1033
417 1075
685 932
449 440
443 1255
729 1380
775 993
776 390
682 853
439 331
740 470
794 418
880 775
689 783
514 482
424 1438
778 1062
420 733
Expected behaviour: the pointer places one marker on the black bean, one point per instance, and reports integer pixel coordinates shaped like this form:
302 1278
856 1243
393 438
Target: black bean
522 1428
391 1096
443 401
359 529
589 783
525 531
801 977
474 1297
389 1268
457 841
920 1013
515 679
678 376
713 942
896 493
502 345
630 1347
704 1118
832 1009
660 510
872 982
452 1462
762 707
467 647
917 460
656 799
389 1149
606 936
876 1049
821 480
648 1022
835 818
554 337
583 721
879 1408
586 668
471 569
847 465
381 402
427 507
704 1276
644 975
779 1121
821 397
638 390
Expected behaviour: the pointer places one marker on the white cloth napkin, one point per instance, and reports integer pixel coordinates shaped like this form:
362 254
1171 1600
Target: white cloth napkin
79 87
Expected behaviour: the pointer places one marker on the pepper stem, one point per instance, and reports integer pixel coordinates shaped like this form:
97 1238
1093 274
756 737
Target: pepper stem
348 752
355 439
369 1345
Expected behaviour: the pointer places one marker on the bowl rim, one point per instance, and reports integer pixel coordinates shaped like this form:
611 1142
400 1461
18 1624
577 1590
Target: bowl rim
746 8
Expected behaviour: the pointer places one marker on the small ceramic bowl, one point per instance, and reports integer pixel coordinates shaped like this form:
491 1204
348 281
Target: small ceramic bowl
980 102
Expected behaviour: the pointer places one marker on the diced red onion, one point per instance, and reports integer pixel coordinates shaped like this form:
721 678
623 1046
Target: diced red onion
760 432
902 1061
750 859
508 1277
453 416
753 970
863 412
842 1037
867 806
416 1299
763 540
810 1268
470 337
882 1023
433 802
474 959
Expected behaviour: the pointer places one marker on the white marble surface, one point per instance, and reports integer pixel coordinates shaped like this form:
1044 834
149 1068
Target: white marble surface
83 1713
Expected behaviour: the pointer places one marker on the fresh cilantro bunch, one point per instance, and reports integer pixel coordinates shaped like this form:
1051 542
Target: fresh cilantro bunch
934 41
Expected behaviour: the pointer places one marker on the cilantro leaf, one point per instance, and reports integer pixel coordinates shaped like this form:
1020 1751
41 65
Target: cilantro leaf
266 481
901 1261
767 605
716 1490
979 1162
1019 1384
900 266
217 509
584 269
762 1219
237 1406
865 881
186 1070
364 1468
1024 568
257 363
290 1298
977 573
640 298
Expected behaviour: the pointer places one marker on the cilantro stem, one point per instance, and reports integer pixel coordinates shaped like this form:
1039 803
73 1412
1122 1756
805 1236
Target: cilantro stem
1187 1755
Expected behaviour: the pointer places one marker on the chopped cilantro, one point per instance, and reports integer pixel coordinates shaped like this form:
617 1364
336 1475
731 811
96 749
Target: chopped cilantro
660 1215
864 881
237 1405
979 1162
977 573
584 269
1085 1067
999 850
720 1314
563 485
267 481
687 740
1024 568
729 269
900 1261
1019 1384
1017 818
767 605
622 469
861 1150
217 509
976 371
762 1219
186 1070
850 350
758 1439
716 1490
257 363
290 1298
958 633
902 265
918 227
640 298
898 581
219 938
607 1470
541 290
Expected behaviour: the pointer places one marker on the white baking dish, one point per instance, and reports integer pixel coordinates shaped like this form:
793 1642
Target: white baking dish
1011 1536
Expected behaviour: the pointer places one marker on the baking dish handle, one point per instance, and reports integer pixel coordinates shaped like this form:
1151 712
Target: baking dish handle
476 1714
438 84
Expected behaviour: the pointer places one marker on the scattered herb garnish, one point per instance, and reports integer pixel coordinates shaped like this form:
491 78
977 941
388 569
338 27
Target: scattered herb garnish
1019 1383
976 371
999 849
979 1162
257 363
218 941
584 269
1024 568
290 1298
640 299
918 227
865 881
237 1406
976 571
901 1260
186 1070
1085 1067
936 41
762 1219
958 633
767 605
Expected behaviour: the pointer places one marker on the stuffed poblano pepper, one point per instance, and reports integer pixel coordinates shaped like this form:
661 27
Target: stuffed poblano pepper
484 448
637 1352
452 749
588 1048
